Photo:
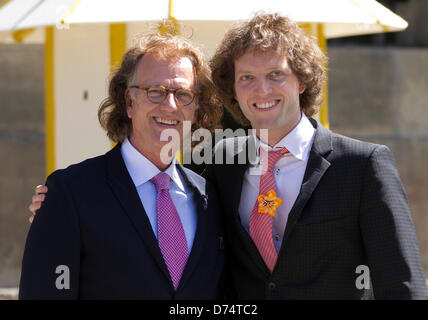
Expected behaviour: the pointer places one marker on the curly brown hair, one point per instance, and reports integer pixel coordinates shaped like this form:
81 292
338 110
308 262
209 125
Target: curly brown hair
269 32
112 111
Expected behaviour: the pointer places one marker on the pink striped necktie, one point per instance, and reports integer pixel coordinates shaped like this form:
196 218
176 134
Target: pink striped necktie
261 223
171 237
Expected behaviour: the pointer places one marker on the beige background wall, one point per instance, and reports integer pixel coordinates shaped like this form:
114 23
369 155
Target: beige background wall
81 54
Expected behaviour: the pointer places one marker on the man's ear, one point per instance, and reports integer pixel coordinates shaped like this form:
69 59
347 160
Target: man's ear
302 88
129 101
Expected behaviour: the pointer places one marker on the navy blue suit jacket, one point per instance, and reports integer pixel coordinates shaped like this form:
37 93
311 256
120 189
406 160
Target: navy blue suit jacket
93 222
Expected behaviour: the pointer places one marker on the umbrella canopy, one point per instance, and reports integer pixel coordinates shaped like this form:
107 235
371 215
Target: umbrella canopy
75 78
339 17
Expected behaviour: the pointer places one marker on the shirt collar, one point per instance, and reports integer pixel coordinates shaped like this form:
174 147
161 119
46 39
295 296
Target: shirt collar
142 169
298 141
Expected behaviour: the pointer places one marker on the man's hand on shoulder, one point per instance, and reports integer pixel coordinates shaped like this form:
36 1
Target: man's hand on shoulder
37 200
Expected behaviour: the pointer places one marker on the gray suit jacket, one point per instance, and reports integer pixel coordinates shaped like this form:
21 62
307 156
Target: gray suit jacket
351 211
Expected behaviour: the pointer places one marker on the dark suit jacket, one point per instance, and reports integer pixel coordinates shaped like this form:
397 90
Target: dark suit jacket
351 210
93 222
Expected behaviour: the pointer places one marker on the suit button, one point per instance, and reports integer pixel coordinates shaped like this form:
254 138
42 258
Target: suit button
271 285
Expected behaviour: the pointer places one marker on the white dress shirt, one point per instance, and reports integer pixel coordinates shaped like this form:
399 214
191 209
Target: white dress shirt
289 172
141 171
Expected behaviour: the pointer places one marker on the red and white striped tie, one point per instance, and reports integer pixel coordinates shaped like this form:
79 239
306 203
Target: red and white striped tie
261 223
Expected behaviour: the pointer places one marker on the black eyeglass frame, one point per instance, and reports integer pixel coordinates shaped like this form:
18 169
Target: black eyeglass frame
167 91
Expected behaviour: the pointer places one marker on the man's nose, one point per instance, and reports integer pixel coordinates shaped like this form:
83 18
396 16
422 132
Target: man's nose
263 86
169 102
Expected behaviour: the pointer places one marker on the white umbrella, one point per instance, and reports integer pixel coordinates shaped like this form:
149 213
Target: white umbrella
339 17
102 27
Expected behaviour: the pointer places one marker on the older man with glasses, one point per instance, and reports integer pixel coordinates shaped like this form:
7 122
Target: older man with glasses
130 224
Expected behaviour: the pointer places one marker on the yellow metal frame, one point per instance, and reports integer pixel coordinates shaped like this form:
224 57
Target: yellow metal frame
317 30
117 44
171 25
20 35
117 47
50 161
5 2
49 100
362 7
322 42
67 14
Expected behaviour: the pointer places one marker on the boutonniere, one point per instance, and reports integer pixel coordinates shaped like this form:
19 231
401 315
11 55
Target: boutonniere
268 203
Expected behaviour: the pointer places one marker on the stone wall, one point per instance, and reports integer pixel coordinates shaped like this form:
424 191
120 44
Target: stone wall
22 146
381 95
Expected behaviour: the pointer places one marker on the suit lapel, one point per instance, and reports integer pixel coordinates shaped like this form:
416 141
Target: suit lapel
126 194
317 166
241 162
237 176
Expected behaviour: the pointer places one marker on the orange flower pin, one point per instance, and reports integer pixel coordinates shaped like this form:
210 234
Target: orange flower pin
268 203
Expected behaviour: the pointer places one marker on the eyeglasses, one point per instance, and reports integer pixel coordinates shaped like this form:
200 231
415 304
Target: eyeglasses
182 96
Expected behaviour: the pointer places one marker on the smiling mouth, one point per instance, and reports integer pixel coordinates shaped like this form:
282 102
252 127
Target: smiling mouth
266 105
165 122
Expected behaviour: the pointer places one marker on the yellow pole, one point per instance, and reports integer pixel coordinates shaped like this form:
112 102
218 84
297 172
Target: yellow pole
49 100
68 13
117 47
169 26
322 42
117 44
171 9
317 30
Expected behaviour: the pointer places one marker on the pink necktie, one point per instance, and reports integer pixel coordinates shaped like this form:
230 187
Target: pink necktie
261 223
171 237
